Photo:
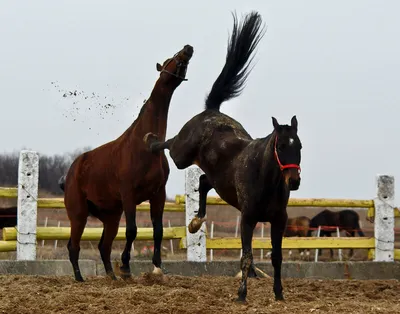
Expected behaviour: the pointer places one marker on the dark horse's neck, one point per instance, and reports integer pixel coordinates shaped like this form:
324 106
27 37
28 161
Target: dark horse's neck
270 172
270 183
154 113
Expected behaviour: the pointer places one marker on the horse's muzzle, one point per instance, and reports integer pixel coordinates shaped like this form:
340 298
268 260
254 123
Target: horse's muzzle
188 51
294 184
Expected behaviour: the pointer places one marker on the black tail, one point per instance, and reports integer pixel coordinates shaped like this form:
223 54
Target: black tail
244 39
360 232
61 183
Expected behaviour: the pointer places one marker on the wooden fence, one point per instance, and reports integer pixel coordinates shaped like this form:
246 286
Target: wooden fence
24 237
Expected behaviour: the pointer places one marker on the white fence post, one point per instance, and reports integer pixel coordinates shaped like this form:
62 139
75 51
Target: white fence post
195 243
384 219
28 179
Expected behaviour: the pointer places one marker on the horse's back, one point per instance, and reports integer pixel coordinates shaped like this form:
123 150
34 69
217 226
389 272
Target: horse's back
348 218
323 218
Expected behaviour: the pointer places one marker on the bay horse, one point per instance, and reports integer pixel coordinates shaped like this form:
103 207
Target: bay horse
253 175
117 176
347 220
297 227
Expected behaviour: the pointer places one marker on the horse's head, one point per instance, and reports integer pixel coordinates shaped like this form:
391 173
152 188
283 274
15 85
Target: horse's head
173 70
287 147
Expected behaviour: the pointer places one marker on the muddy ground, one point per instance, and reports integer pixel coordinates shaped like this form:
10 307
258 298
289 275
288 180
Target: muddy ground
148 294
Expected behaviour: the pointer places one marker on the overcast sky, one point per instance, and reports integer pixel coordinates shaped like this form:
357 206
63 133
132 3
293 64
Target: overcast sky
333 64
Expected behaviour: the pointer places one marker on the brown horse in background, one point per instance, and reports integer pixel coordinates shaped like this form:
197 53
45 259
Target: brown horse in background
121 174
297 227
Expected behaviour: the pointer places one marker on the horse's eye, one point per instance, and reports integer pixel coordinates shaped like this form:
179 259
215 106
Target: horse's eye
282 146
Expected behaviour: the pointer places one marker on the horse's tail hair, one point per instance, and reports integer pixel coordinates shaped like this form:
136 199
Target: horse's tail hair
243 41
61 182
360 232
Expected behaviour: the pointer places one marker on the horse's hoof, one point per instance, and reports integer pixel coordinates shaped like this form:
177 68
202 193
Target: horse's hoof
157 271
125 273
79 278
195 224
150 138
241 300
126 276
279 297
112 276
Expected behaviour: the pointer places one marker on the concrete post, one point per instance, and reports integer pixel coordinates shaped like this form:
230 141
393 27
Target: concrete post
28 179
196 243
384 219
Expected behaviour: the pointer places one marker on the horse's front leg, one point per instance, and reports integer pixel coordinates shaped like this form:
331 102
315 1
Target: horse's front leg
277 230
204 187
156 212
247 226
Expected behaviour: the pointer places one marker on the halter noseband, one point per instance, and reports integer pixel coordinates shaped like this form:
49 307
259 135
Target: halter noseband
178 66
283 167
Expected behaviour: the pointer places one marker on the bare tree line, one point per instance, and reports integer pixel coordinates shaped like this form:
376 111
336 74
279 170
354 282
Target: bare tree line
51 168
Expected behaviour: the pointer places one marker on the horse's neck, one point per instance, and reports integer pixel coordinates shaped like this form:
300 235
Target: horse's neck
154 114
269 168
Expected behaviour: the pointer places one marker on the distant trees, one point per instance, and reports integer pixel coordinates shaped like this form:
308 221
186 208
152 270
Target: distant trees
51 168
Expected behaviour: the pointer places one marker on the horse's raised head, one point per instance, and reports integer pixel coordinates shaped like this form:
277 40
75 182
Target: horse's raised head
173 70
287 147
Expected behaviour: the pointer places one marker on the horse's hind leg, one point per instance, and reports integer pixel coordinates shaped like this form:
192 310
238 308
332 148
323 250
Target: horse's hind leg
204 187
154 145
156 213
181 149
110 230
77 227
351 253
78 219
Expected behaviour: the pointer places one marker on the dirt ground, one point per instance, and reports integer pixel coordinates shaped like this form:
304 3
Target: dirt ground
148 294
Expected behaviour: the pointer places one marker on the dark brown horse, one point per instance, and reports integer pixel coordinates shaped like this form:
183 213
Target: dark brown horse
347 220
253 175
121 174
297 227
8 217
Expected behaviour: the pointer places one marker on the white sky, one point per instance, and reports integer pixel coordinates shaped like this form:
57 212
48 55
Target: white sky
334 64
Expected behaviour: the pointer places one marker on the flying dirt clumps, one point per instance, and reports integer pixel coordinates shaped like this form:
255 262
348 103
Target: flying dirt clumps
82 102
85 107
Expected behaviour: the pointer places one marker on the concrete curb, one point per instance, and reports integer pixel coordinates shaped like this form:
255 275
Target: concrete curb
319 270
45 267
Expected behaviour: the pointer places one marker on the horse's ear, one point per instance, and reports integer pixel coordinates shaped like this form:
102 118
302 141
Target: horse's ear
275 123
158 67
293 123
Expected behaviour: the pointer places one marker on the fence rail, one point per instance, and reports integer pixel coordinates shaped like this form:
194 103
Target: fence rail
381 208
93 234
291 243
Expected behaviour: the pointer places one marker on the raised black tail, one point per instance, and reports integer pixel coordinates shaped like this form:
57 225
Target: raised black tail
243 41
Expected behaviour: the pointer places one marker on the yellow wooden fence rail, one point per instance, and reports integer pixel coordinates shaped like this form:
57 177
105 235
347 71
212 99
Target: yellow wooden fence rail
93 234
291 243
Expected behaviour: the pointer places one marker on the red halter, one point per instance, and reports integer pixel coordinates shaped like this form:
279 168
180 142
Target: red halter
283 167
